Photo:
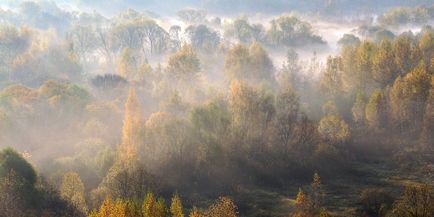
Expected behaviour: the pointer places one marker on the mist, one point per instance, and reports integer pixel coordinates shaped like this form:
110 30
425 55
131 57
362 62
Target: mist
216 108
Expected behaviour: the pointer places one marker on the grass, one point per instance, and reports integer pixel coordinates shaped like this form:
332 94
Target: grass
342 193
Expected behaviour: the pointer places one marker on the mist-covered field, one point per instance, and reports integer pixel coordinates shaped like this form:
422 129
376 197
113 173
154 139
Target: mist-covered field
217 108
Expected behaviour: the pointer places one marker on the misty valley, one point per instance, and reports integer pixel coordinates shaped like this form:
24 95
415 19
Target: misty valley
217 108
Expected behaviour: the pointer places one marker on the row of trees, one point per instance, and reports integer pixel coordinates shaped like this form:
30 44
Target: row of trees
386 85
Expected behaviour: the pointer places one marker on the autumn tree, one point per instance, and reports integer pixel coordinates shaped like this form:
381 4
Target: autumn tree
176 206
183 65
203 38
333 129
128 63
131 128
72 190
363 64
358 109
375 111
287 114
402 50
375 201
250 64
317 193
223 207
260 63
148 207
417 201
383 61
237 62
331 82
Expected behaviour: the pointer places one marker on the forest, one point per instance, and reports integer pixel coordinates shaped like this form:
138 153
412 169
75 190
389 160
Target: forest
217 108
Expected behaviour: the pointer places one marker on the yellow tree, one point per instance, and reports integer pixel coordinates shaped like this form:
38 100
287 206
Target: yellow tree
148 207
383 64
127 64
375 111
183 65
224 207
72 190
176 206
333 129
131 128
358 109
302 203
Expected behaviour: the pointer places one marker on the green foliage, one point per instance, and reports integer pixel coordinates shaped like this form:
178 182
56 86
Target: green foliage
290 31
10 160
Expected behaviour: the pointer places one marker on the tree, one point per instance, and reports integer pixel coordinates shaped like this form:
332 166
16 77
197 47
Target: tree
426 45
244 32
302 204
84 41
223 207
196 213
402 51
260 63
10 160
237 63
250 64
160 208
290 31
176 206
72 190
358 109
131 128
291 73
416 201
416 89
363 64
287 112
192 15
399 105
375 111
384 64
333 129
331 82
203 38
128 64
148 208
184 65
317 193
12 43
349 39
427 137
375 202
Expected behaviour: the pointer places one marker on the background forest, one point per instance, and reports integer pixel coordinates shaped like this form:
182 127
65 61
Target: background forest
217 108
